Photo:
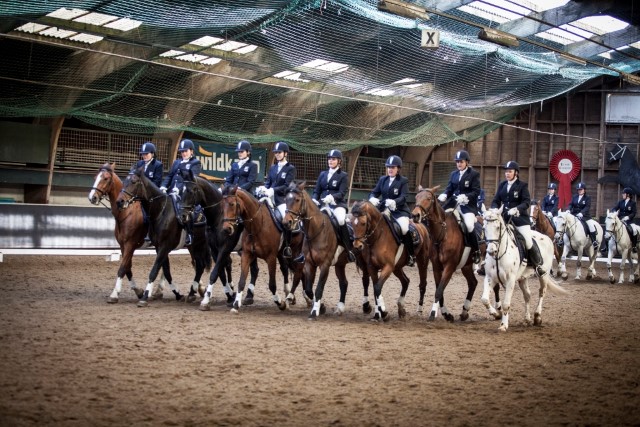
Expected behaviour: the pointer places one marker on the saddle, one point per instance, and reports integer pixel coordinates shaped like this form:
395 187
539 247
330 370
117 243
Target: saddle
477 228
521 245
336 226
276 217
586 228
397 232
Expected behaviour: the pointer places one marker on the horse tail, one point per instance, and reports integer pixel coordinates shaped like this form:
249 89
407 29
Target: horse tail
553 286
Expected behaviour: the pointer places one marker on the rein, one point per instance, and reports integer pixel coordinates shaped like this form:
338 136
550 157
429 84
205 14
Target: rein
424 217
367 233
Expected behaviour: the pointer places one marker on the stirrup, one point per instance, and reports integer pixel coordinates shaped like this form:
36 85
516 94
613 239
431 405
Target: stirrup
351 256
480 271
299 259
411 261
540 271
286 252
476 257
187 240
595 245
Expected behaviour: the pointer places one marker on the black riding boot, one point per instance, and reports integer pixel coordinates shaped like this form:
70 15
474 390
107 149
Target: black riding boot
286 252
407 239
536 259
592 234
475 250
300 258
189 229
346 242
634 242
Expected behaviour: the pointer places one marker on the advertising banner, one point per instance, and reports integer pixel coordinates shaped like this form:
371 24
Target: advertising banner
216 159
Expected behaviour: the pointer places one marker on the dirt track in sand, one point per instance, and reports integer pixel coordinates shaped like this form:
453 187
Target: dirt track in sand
69 358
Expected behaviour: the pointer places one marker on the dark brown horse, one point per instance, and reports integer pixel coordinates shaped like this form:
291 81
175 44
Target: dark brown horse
165 231
542 224
321 250
261 239
449 253
375 239
130 227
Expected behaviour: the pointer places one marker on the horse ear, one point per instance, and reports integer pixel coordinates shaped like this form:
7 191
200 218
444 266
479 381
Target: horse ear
113 166
420 188
501 209
434 189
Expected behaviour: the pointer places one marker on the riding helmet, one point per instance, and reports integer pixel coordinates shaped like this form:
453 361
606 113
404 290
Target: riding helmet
147 148
393 161
244 145
280 146
186 144
552 186
335 153
462 155
581 186
628 190
512 165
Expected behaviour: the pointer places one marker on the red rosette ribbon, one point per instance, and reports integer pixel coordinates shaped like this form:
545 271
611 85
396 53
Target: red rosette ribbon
564 167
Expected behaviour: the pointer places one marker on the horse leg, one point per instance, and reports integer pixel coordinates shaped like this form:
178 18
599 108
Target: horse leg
579 263
623 261
343 284
506 305
284 270
537 316
318 305
161 257
423 265
246 260
380 312
253 277
562 267
439 297
298 275
366 280
526 293
404 282
472 283
271 265
309 279
496 293
486 289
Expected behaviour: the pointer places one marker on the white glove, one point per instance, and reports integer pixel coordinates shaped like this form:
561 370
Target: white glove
442 197
374 201
316 202
514 212
579 215
260 190
328 200
268 192
391 204
220 190
625 218
175 191
163 189
462 199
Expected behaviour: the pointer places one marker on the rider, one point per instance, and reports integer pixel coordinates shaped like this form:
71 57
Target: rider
331 189
152 167
626 209
243 173
280 175
464 184
188 167
391 192
513 196
580 206
550 202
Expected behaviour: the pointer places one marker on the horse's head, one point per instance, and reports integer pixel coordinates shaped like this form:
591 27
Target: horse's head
102 184
494 228
534 211
612 224
560 222
231 209
297 206
191 196
364 222
425 203
616 153
133 189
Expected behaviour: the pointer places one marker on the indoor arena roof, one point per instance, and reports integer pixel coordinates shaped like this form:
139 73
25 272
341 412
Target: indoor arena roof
312 73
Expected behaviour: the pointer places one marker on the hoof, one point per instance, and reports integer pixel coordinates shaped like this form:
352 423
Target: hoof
201 290
497 316
157 296
291 299
448 317
565 276
112 300
248 300
180 297
432 316
234 310
385 316
402 313
323 308
537 320
230 299
204 307
143 303
191 298
366 307
339 310
139 292
589 276
313 315
612 280
502 328
464 315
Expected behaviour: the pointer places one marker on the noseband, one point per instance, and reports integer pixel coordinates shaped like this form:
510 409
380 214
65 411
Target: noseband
501 231
367 233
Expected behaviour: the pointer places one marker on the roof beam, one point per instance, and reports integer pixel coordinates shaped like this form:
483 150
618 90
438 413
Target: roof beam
601 44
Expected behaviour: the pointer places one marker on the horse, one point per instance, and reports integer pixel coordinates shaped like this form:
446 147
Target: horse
620 241
628 173
130 227
321 250
165 231
384 255
449 253
542 224
571 233
261 239
504 265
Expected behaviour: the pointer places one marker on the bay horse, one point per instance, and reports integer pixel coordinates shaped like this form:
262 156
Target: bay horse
130 229
542 224
261 239
619 241
448 251
571 233
504 266
165 232
383 255
321 250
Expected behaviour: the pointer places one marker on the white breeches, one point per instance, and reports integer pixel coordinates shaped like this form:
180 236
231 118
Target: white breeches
469 220
525 230
341 214
283 209
591 225
403 222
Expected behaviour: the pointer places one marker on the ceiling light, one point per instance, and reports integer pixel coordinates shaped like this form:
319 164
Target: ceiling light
498 37
402 8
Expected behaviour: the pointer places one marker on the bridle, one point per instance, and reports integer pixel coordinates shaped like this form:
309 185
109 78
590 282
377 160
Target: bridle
300 216
237 220
424 216
566 229
617 225
367 232
102 193
502 230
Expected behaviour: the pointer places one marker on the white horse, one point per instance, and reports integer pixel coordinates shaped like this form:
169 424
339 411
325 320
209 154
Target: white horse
619 241
504 266
571 234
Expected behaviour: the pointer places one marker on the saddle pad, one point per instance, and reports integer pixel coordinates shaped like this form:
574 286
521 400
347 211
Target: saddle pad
395 229
275 216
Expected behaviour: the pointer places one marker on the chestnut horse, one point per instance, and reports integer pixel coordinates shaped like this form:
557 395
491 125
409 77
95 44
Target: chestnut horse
261 239
384 255
321 250
542 224
130 227
165 232
448 254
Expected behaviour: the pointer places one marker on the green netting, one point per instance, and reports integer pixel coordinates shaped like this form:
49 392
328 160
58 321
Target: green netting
123 84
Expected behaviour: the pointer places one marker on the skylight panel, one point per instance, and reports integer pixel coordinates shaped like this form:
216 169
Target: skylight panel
171 53
635 45
380 92
315 63
86 38
32 27
206 41
404 81
413 85
246 49
291 75
229 46
95 18
57 33
562 36
67 14
192 57
542 5
211 61
124 24
283 74
600 24
499 11
321 64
